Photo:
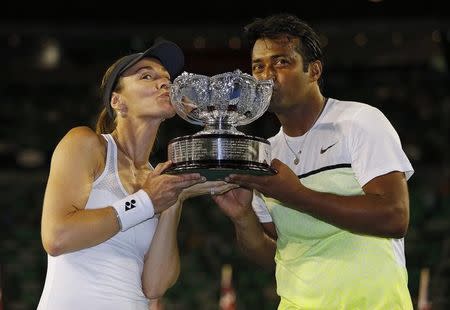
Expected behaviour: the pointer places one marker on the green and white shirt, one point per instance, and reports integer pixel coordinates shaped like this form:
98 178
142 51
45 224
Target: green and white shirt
320 266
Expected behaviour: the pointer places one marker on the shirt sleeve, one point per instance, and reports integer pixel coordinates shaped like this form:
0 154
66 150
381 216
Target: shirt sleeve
375 146
260 208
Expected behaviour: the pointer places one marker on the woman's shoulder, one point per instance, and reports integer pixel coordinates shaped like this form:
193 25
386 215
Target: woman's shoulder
84 136
81 147
82 139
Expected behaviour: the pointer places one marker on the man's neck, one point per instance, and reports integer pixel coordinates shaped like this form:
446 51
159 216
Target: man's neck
299 119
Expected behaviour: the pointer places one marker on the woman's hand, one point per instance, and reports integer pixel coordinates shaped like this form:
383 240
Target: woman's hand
209 187
164 189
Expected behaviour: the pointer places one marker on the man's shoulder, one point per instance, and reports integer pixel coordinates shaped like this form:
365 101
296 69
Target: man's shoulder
350 106
346 110
273 139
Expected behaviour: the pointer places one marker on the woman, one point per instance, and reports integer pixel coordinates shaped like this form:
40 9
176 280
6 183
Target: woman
109 219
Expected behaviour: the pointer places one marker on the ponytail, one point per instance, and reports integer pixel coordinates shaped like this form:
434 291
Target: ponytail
104 123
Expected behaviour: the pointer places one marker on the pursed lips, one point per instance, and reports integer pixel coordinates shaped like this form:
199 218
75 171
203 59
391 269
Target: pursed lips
165 94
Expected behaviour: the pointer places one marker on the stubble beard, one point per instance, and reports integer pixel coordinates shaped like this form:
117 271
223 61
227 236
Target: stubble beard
275 103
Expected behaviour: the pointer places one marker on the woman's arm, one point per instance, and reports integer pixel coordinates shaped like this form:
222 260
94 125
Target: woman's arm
162 261
66 225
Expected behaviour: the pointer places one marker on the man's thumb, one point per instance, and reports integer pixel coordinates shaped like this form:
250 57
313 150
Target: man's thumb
276 164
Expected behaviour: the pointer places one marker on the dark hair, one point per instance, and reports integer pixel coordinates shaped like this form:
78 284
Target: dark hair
279 25
105 124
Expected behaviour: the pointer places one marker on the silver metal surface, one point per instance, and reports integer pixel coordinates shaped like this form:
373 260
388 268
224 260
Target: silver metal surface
232 98
220 103
215 147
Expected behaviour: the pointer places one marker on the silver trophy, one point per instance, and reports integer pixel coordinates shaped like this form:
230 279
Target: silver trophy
220 103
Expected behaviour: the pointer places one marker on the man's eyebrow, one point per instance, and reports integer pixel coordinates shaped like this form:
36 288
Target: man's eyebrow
271 57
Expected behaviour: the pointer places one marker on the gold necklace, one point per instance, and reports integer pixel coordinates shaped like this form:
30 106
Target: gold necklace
297 157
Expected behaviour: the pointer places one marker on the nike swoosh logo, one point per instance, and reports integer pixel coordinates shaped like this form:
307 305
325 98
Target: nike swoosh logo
323 150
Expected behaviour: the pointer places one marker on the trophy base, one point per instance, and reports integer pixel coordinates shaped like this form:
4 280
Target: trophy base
218 170
216 156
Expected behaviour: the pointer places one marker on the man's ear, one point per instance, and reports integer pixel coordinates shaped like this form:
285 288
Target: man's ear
315 70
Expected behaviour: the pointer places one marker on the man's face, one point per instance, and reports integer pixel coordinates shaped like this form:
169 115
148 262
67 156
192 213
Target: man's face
278 60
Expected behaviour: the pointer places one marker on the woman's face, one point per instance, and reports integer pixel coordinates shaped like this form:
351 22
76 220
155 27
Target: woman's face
144 91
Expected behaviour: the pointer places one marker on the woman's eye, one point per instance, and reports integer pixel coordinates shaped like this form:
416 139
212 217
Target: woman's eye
147 76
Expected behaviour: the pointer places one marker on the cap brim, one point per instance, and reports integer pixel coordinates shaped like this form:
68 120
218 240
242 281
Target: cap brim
168 53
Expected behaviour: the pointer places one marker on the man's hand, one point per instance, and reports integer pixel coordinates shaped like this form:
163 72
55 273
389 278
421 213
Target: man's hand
280 186
236 203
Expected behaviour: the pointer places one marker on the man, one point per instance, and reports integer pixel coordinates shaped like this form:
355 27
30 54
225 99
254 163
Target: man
334 216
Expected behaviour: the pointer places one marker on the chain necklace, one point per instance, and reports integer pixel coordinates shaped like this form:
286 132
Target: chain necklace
297 154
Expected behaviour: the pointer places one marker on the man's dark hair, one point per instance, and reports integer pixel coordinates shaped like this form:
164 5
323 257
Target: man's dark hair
288 25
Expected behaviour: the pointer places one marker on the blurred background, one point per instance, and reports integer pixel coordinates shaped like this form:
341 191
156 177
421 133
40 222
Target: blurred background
391 54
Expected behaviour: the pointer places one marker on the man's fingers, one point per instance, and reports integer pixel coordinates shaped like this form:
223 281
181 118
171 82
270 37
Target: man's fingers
246 180
276 164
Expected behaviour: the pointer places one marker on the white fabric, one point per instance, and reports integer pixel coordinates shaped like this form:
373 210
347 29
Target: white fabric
106 276
364 138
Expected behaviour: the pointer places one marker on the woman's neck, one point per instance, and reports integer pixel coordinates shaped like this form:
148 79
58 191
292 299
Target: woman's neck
135 142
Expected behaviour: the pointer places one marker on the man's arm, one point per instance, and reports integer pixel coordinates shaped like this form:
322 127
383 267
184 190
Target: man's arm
383 211
251 237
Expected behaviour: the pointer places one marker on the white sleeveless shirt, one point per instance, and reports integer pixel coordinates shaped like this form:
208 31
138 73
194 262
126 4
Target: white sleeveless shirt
106 276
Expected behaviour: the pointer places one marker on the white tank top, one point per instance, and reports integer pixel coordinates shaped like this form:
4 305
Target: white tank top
106 276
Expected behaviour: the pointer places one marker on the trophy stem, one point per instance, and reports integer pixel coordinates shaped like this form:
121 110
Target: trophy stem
220 126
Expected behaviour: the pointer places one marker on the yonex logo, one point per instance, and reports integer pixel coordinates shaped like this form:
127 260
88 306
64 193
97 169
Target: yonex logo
130 205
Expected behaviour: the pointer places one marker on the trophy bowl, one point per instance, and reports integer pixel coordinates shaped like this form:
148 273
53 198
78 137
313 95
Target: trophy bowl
220 104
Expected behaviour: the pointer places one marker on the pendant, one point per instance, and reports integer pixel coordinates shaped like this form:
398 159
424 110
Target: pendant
296 161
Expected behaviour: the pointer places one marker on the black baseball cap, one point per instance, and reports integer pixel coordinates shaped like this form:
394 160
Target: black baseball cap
168 53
